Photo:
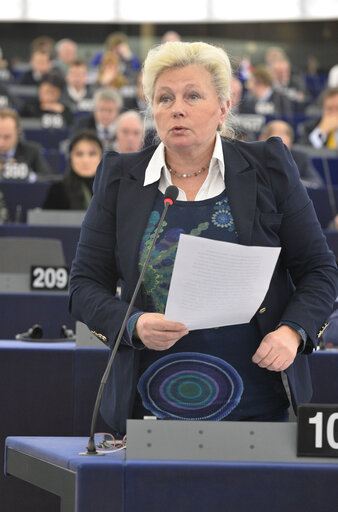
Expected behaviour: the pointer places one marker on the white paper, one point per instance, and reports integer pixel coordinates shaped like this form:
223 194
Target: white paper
215 283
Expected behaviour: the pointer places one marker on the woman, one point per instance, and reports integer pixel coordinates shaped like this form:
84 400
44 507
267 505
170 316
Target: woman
74 192
109 73
247 193
48 102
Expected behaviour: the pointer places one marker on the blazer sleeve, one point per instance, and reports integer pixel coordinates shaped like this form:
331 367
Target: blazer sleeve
94 273
305 252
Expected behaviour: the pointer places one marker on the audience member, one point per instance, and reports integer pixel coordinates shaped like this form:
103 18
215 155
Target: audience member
308 174
129 132
75 190
323 133
293 86
170 35
43 43
77 94
262 97
117 44
332 80
107 106
48 102
109 72
13 149
66 53
40 63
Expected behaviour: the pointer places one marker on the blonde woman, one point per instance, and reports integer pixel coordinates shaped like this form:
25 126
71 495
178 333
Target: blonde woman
229 190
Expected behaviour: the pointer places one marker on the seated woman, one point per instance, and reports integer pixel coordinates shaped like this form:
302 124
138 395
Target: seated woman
75 190
48 106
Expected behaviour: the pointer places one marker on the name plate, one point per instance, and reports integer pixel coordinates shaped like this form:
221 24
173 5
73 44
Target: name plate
15 171
317 430
49 278
52 121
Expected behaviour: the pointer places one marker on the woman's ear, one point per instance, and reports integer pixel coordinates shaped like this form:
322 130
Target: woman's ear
224 107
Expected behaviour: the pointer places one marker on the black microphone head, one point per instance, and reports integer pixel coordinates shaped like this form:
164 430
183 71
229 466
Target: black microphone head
170 194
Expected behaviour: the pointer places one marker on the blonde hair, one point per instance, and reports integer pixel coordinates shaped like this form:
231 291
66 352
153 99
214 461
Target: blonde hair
180 54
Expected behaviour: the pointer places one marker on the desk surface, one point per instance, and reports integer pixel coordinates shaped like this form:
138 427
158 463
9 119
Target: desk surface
111 483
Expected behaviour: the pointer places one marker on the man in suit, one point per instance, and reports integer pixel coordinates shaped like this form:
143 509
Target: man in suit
12 149
262 98
323 133
308 174
76 94
107 106
41 64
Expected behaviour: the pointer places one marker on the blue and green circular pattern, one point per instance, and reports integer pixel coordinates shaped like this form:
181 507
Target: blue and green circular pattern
190 386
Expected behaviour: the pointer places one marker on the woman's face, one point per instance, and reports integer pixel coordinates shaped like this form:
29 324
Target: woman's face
186 108
85 157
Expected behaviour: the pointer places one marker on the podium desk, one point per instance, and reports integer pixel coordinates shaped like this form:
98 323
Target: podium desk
112 483
46 389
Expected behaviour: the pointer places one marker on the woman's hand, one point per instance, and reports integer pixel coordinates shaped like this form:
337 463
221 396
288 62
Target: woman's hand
157 333
278 349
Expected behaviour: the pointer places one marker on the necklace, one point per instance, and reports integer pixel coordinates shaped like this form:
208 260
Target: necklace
187 175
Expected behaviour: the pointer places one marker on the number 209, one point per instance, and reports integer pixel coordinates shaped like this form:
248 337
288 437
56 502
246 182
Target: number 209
50 278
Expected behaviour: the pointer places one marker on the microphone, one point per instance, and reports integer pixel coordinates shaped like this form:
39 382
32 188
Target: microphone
170 196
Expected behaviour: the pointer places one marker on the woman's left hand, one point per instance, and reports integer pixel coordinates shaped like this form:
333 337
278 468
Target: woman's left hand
278 349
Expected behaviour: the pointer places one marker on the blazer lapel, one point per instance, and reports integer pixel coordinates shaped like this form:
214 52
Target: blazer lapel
240 180
134 206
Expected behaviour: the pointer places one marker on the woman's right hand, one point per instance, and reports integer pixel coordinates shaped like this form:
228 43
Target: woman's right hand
157 333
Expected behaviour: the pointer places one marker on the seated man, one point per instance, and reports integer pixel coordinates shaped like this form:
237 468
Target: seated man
48 106
323 133
15 150
129 132
308 174
262 98
76 94
107 106
40 63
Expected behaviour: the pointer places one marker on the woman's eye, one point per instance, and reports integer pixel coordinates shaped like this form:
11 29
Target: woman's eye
194 96
165 99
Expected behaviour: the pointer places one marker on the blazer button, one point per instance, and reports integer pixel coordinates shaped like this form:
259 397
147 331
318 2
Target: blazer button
261 311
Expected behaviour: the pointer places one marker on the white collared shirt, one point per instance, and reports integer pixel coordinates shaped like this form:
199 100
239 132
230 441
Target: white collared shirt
212 186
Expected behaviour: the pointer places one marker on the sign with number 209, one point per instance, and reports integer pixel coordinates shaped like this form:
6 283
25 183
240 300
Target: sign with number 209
49 278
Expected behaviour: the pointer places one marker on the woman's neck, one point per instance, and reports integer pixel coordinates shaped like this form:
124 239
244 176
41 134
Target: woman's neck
184 162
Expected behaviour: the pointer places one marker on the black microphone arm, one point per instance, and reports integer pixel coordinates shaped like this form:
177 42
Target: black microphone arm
170 196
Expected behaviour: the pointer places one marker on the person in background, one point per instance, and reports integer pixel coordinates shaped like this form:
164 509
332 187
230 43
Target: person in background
308 174
109 74
332 80
293 87
43 43
228 190
77 94
49 100
40 63
170 36
74 192
66 53
262 98
107 106
117 44
323 133
129 132
14 149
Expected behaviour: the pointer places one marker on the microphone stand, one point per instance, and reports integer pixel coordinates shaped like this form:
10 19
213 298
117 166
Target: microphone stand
91 449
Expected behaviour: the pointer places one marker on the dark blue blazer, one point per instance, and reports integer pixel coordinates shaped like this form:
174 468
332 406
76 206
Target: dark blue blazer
270 207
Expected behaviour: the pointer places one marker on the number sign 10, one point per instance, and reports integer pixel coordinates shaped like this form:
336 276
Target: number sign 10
318 430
